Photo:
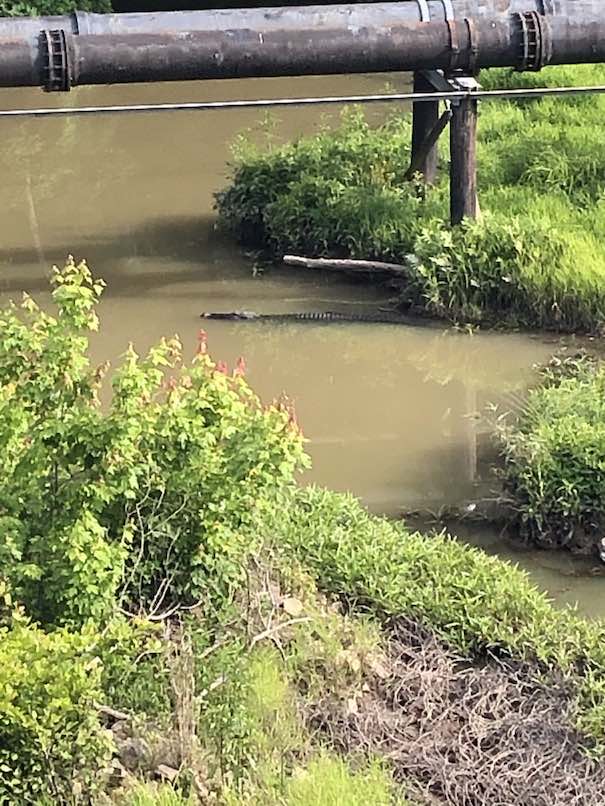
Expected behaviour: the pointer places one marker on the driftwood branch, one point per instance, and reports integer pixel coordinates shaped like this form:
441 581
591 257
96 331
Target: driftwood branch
363 266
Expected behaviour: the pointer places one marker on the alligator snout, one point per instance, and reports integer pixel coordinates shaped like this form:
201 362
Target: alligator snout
230 315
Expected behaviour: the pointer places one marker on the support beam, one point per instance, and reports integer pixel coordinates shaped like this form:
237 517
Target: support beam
427 147
463 161
425 120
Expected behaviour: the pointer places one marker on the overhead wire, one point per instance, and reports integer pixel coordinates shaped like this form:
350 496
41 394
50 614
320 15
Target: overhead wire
207 106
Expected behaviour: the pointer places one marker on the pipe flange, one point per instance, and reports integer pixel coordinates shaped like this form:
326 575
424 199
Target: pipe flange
425 13
535 40
56 69
454 64
448 10
473 46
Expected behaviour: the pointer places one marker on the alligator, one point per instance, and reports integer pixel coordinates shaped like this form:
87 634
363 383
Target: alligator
378 317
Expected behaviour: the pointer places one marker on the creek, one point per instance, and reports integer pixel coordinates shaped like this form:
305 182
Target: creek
388 410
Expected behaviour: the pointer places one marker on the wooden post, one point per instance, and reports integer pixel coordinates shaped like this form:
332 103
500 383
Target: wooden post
425 120
463 160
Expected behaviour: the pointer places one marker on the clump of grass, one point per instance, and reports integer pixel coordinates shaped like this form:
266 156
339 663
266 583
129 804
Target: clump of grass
322 654
330 782
554 459
476 603
509 270
536 258
340 192
151 794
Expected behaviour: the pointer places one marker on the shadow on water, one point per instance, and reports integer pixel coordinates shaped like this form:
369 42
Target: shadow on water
175 242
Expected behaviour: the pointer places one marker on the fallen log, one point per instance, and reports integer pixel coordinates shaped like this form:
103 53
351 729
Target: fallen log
362 266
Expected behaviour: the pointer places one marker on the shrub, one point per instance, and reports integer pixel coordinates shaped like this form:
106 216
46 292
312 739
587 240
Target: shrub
554 460
502 269
134 674
327 193
51 744
147 502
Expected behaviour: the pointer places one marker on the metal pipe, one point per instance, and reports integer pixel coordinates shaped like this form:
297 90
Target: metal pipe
379 41
81 22
58 60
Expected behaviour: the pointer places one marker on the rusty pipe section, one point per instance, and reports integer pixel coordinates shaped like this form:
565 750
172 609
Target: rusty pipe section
84 23
243 54
379 41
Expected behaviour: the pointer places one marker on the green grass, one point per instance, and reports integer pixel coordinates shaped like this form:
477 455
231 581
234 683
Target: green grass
288 770
554 460
330 782
475 602
147 794
537 257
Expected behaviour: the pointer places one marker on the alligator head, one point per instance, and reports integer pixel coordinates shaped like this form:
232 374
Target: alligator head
231 315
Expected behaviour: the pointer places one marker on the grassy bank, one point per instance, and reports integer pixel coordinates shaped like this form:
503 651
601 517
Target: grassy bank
474 602
179 625
536 258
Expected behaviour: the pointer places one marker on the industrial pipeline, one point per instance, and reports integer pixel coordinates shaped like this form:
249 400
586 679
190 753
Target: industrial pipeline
85 23
364 38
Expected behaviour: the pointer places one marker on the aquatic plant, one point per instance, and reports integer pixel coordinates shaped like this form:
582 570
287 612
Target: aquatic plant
339 192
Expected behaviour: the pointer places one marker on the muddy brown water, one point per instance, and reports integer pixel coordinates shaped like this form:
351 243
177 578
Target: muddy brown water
387 409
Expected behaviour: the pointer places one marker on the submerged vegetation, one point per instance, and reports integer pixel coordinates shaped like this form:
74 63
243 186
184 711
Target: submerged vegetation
535 259
180 625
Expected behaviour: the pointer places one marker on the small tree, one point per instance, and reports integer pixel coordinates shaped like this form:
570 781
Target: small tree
145 503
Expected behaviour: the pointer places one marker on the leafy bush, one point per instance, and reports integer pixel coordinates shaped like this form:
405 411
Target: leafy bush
473 601
327 193
554 460
51 744
147 502
134 672
501 270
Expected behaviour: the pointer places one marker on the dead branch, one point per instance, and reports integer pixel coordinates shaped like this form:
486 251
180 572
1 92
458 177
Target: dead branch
273 631
360 266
